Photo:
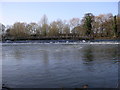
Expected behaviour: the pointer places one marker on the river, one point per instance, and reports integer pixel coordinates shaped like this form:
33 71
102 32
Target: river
59 65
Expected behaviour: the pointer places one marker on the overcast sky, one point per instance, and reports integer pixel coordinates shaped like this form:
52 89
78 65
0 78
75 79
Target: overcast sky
32 11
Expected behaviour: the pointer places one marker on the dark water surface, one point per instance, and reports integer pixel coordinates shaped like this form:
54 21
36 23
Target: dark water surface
60 65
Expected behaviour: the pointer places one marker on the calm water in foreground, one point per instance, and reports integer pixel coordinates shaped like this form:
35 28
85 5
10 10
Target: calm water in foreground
60 65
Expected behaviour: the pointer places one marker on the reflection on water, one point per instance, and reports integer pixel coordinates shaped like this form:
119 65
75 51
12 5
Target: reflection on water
17 54
88 54
54 65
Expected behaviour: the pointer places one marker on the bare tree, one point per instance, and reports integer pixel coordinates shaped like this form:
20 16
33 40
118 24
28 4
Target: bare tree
18 30
74 22
54 30
32 28
44 25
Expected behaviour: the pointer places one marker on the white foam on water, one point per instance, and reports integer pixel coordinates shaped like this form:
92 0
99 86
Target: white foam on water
104 42
62 43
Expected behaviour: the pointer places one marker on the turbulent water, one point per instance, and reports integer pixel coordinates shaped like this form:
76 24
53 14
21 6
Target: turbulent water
57 65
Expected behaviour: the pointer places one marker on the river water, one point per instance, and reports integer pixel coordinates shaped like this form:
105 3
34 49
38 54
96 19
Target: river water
59 65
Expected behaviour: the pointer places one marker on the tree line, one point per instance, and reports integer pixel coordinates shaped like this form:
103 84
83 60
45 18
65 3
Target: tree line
103 26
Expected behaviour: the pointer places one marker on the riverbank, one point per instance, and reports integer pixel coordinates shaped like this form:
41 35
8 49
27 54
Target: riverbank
70 38
62 40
